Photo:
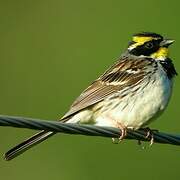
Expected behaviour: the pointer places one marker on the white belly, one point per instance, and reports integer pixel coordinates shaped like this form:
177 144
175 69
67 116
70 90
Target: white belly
140 109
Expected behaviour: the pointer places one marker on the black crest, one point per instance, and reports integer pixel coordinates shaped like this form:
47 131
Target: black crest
149 34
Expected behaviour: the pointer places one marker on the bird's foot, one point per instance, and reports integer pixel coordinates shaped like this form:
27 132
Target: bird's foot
150 134
123 133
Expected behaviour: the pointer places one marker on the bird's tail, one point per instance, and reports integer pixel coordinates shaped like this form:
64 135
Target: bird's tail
27 144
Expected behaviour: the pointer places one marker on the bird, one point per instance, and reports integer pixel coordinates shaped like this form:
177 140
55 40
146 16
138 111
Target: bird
130 94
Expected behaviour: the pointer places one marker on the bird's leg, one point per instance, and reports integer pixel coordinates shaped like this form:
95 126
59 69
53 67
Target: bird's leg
150 135
120 126
123 132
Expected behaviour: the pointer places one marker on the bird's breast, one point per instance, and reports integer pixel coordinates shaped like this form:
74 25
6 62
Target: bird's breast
139 107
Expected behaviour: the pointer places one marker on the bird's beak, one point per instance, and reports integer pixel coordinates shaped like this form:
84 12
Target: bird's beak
166 42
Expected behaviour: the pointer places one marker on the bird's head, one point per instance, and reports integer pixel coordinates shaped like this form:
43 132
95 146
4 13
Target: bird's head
150 44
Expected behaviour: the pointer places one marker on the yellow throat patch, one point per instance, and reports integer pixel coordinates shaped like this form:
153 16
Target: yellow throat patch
161 53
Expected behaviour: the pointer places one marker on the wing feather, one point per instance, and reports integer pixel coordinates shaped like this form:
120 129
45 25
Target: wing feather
125 73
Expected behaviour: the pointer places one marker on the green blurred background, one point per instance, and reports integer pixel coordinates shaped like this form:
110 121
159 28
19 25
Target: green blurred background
49 52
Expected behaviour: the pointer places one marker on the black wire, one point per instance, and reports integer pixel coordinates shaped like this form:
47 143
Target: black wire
90 130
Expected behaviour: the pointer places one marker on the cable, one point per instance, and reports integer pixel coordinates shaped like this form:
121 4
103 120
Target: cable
90 130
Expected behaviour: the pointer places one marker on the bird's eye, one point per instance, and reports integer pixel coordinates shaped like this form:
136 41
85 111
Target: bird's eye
149 45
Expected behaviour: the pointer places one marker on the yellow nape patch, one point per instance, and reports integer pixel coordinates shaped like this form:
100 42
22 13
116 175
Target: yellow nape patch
161 53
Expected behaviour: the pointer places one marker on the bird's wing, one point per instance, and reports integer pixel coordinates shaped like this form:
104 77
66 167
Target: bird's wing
123 75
